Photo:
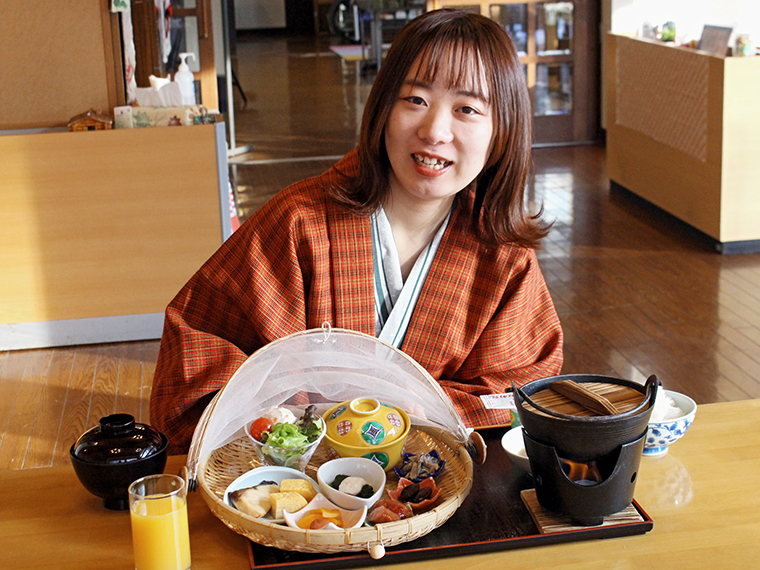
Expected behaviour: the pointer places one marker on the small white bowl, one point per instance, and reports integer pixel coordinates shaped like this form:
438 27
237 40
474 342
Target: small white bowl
661 434
367 469
514 444
351 519
259 475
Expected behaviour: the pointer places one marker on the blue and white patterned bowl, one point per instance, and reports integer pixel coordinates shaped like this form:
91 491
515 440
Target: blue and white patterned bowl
661 434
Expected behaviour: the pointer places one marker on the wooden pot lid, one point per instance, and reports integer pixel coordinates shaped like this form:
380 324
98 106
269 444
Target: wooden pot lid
586 399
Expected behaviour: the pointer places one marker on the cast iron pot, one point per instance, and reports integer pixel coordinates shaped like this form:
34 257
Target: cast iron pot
110 456
583 438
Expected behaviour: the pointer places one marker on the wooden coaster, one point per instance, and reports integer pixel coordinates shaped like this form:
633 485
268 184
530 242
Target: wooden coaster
549 522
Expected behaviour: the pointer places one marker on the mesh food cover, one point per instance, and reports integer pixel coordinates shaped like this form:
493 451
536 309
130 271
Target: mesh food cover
321 367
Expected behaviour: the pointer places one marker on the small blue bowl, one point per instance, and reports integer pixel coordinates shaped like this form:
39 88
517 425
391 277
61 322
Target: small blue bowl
662 433
406 457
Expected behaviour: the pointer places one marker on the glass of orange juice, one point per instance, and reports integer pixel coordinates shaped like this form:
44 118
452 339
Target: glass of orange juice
158 511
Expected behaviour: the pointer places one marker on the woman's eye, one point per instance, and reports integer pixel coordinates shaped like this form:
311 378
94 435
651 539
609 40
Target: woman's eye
467 110
414 100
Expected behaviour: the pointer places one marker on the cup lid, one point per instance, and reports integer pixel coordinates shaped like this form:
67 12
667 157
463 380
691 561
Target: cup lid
118 439
365 422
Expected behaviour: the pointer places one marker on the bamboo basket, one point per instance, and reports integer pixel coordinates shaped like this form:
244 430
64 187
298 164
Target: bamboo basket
228 462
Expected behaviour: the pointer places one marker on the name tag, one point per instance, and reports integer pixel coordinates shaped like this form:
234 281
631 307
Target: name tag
504 401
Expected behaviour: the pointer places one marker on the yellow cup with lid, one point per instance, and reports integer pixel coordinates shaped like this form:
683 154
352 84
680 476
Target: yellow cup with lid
367 427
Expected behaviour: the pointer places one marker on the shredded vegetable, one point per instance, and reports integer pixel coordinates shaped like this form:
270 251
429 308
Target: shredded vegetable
286 435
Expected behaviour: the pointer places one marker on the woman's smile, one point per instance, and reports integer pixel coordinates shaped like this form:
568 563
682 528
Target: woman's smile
430 165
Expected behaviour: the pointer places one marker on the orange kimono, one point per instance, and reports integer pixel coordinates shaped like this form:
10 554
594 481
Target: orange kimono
484 317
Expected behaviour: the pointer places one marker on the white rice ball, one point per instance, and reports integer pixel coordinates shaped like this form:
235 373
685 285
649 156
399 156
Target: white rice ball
665 408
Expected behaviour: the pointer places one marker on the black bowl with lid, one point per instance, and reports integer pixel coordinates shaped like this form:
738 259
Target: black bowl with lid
116 452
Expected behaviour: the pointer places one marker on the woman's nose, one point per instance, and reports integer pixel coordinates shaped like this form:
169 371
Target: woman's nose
436 127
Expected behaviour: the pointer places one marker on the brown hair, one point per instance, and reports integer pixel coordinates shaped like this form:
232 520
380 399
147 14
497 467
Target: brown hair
457 47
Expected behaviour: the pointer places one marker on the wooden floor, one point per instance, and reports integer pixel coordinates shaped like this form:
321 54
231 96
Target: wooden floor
636 292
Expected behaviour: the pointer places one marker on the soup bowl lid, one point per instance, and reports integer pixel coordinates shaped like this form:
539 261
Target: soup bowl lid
365 422
117 439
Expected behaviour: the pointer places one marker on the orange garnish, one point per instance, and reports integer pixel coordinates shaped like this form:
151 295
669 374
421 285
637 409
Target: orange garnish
331 515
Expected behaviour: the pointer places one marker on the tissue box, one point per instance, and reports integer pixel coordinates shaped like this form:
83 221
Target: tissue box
166 116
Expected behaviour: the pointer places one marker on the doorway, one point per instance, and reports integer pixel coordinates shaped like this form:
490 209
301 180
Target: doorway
558 44
190 29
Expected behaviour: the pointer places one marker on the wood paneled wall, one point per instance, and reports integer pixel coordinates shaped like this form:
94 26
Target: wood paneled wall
58 60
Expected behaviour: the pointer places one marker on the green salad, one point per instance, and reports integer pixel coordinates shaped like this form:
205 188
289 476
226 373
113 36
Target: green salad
285 435
306 430
287 444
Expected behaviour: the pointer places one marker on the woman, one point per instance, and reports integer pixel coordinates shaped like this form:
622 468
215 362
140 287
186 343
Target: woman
419 236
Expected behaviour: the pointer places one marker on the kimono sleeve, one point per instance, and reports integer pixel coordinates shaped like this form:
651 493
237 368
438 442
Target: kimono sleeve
522 341
250 292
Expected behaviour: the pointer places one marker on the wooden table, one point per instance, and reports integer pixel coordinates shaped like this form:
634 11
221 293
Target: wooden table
704 498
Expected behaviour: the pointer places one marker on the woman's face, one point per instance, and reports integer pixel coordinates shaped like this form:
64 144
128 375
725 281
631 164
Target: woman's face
438 139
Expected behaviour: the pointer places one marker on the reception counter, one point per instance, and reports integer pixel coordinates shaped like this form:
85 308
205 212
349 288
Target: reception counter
683 133
99 230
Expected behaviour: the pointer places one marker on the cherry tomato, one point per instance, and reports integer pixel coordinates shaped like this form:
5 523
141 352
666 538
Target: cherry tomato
260 426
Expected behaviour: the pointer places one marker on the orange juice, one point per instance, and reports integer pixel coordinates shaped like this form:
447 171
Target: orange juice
160 534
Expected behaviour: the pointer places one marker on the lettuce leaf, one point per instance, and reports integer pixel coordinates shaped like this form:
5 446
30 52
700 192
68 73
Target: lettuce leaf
286 435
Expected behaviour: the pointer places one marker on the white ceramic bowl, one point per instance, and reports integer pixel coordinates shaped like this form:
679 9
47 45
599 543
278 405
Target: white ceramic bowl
660 434
514 444
259 475
367 469
351 519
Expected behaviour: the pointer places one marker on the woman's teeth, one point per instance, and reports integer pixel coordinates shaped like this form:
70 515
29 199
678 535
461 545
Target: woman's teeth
428 162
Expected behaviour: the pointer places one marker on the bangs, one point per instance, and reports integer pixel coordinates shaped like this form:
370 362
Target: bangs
456 62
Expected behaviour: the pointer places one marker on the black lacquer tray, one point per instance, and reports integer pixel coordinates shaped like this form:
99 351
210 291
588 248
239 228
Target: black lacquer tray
492 518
